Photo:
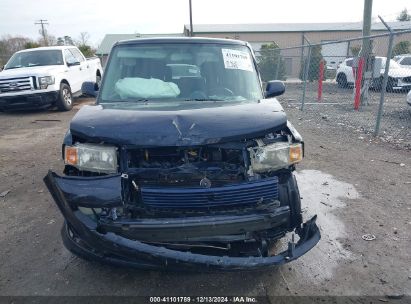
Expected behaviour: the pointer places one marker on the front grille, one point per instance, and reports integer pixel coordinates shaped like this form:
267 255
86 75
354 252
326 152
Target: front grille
407 79
248 193
16 84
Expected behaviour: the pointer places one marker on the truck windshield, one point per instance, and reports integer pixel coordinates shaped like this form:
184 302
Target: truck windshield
180 72
35 58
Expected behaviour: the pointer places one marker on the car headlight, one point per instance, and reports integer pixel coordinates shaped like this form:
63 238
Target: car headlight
91 157
46 81
275 156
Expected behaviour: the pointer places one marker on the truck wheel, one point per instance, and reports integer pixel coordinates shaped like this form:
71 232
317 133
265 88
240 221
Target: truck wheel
65 99
98 80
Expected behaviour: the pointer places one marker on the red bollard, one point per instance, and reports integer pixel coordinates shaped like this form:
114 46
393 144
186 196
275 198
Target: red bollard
320 80
358 84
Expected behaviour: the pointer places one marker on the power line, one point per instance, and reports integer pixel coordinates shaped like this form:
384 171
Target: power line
43 22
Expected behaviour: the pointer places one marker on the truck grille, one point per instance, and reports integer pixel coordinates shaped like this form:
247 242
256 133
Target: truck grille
16 84
407 79
248 193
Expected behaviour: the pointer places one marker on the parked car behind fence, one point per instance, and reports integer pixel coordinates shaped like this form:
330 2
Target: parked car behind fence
336 101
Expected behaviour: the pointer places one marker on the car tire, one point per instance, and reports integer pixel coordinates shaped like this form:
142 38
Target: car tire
98 80
65 98
342 80
390 85
377 84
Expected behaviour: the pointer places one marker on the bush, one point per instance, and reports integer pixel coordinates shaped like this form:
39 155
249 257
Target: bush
313 68
402 47
86 50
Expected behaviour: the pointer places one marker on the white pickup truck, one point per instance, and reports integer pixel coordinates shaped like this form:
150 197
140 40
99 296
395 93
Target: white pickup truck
46 76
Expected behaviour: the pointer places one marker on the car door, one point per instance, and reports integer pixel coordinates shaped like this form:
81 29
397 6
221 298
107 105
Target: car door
74 70
349 71
85 66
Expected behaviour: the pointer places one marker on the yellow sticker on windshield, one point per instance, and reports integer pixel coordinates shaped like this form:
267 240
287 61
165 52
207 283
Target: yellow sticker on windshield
235 59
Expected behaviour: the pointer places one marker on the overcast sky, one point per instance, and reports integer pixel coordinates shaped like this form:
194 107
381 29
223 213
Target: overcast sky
169 16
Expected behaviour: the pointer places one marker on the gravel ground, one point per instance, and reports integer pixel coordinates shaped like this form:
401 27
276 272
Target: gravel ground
336 110
356 187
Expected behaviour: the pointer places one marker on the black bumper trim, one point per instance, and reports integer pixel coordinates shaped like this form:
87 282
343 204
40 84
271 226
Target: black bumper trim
118 250
28 101
191 228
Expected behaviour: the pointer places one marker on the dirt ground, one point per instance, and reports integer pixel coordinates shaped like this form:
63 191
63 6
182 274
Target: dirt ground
355 186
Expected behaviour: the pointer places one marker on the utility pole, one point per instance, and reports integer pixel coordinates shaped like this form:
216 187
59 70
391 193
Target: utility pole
43 22
191 19
366 48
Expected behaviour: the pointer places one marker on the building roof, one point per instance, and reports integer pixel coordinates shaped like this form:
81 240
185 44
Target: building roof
192 40
110 39
292 27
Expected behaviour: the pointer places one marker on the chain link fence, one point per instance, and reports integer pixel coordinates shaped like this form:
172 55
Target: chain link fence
341 84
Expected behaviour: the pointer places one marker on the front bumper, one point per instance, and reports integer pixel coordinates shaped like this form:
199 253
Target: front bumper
81 236
28 101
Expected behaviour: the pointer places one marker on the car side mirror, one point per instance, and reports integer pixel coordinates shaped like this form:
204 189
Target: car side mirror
69 64
274 88
90 88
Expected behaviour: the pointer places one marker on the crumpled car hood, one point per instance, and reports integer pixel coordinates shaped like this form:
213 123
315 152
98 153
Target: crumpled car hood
178 128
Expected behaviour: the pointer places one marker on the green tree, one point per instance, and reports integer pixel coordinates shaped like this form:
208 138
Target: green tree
404 16
402 47
86 50
270 62
31 45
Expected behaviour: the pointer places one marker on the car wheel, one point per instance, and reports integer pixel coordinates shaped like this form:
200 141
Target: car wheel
98 80
390 84
342 81
377 83
65 99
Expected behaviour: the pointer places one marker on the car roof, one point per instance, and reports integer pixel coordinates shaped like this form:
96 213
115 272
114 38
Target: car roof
48 48
194 40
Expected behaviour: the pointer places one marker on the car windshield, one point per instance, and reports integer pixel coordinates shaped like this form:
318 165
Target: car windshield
35 58
393 64
177 73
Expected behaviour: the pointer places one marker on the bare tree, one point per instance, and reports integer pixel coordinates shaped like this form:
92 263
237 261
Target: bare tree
83 38
47 39
11 44
52 39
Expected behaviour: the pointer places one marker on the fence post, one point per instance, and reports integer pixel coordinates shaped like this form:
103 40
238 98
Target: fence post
278 58
302 53
306 69
358 83
320 80
348 49
385 79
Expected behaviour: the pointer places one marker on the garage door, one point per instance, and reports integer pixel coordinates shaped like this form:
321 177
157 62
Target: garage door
334 53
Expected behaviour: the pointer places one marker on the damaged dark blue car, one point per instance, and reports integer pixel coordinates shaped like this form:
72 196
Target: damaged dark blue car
184 163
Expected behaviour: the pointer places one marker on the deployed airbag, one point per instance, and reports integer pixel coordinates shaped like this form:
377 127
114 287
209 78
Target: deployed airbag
134 87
